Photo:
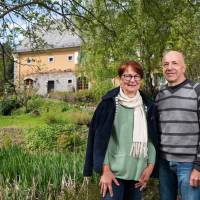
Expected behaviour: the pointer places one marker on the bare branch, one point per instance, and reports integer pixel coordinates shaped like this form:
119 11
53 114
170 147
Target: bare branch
16 7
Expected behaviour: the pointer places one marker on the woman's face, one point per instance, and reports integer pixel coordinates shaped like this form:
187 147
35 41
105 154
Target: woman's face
130 82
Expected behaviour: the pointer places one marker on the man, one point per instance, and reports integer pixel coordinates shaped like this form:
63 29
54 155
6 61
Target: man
178 105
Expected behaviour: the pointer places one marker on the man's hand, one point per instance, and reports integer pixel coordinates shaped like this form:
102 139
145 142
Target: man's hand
106 180
195 178
142 182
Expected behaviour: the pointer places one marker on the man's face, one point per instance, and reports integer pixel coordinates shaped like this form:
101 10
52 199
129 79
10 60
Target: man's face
173 68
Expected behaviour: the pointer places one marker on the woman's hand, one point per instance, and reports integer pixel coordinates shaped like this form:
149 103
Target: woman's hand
142 182
106 180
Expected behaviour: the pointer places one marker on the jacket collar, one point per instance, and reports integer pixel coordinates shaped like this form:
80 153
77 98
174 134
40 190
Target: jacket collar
110 94
114 92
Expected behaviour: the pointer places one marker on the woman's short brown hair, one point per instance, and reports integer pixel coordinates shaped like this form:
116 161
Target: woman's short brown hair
134 65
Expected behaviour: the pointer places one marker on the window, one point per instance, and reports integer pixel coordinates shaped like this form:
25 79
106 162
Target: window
50 59
28 83
82 83
70 57
29 60
69 81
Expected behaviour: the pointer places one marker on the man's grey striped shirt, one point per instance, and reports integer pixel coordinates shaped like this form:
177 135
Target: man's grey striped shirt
178 117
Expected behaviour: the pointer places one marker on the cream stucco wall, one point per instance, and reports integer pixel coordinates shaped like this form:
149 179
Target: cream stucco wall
41 64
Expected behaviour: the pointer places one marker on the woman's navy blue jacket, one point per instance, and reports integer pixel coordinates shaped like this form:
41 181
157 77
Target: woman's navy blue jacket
101 127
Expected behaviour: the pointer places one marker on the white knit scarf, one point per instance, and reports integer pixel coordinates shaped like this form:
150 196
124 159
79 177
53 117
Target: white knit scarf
140 138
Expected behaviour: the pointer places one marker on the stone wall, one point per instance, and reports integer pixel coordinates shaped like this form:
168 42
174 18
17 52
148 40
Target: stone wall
62 82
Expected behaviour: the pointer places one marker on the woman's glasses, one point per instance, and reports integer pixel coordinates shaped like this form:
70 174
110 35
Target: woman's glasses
128 77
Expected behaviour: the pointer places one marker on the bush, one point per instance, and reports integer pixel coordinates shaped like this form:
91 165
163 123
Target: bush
85 96
41 138
57 137
34 103
66 107
8 104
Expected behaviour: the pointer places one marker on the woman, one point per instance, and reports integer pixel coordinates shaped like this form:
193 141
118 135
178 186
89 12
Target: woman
122 138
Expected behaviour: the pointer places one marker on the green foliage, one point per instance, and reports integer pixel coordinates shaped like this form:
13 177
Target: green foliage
55 137
42 174
152 192
21 121
57 95
69 97
41 138
65 108
8 104
140 30
81 118
50 164
101 88
53 118
35 103
6 141
85 96
80 96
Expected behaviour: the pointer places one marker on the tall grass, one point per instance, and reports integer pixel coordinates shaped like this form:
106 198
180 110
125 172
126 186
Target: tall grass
43 175
43 170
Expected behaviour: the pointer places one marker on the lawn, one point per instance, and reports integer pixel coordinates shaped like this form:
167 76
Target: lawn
47 111
20 121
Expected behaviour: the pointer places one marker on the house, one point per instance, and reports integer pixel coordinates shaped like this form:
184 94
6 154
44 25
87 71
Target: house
51 67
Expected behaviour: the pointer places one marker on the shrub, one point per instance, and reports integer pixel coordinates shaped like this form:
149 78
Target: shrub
34 103
85 96
19 111
65 107
41 138
68 141
8 104
58 137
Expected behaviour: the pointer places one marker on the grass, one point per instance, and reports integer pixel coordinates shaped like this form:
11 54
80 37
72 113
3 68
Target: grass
20 121
47 174
43 175
21 166
52 113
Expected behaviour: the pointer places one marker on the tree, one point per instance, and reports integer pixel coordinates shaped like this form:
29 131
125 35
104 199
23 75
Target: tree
111 30
141 30
6 65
